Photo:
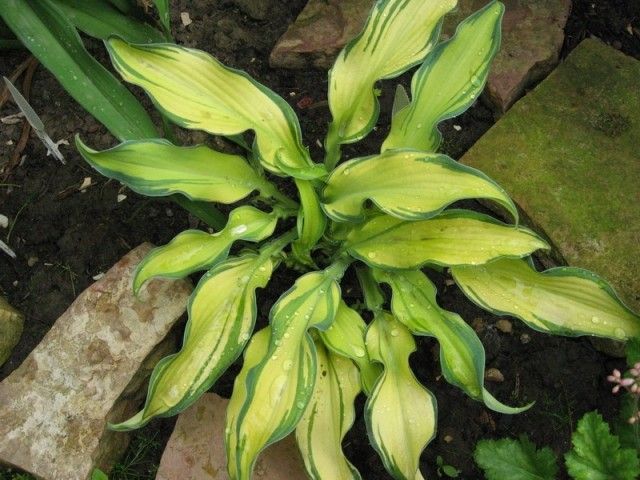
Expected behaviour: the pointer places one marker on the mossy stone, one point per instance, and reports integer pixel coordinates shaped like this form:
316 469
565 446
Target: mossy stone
569 155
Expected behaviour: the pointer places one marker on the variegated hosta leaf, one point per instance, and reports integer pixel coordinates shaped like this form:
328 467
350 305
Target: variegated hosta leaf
157 168
222 314
346 337
406 184
455 237
194 250
280 385
311 222
400 413
329 417
566 301
397 35
461 352
448 82
196 91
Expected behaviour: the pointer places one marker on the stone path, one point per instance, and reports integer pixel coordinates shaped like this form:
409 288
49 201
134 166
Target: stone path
196 450
568 154
89 369
531 41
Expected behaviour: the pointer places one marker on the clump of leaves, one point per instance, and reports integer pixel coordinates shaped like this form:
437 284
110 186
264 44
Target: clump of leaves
596 455
386 215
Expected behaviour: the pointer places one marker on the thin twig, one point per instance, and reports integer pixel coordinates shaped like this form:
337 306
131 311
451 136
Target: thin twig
4 96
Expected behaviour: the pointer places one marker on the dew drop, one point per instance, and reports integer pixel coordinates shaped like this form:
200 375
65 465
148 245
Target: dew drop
287 365
346 171
359 351
395 332
595 319
619 333
371 254
300 405
239 230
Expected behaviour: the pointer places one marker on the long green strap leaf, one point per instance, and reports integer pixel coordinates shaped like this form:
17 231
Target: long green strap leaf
455 237
397 35
406 184
196 91
195 250
400 413
565 301
279 387
329 417
222 314
159 168
461 352
44 30
102 20
448 82
162 6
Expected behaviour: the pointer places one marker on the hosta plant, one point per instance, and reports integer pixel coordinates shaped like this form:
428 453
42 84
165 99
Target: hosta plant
386 215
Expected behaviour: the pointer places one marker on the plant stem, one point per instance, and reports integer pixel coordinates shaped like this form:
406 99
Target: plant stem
332 147
373 297
275 246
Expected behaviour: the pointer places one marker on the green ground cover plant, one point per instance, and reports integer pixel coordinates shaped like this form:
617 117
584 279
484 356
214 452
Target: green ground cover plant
596 453
386 215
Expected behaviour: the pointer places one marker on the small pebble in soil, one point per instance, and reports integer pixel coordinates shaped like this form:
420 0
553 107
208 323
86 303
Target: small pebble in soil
185 18
32 261
169 212
448 439
479 324
493 375
457 128
98 276
121 197
4 221
504 325
525 338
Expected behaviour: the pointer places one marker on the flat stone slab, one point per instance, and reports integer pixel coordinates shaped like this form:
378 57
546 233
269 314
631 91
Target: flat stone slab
88 370
568 155
196 449
532 36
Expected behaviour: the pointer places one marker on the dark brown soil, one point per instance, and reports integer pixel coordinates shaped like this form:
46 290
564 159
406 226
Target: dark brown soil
63 239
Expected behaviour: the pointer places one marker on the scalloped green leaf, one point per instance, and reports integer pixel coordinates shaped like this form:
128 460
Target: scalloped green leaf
563 301
196 91
596 453
279 387
406 184
455 237
222 313
194 250
346 337
158 168
328 418
400 413
448 82
397 35
515 460
462 357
